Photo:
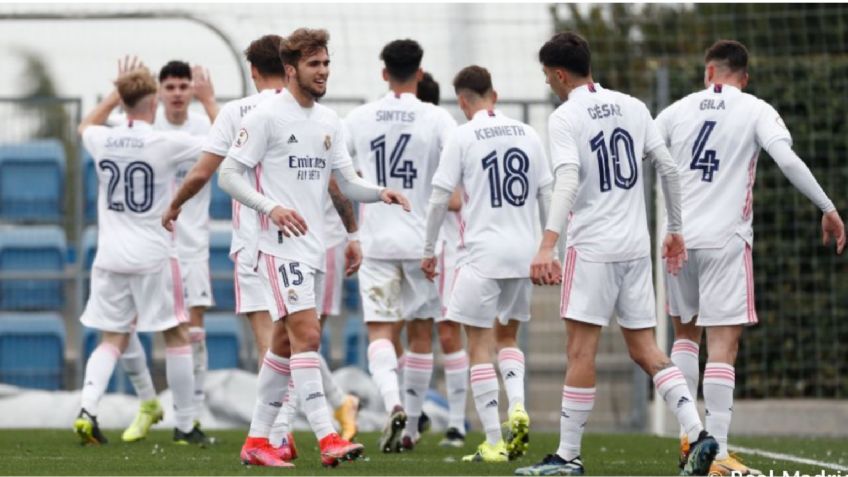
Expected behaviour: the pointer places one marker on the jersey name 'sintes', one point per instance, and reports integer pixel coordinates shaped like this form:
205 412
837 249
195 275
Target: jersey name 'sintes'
221 137
606 133
715 135
297 149
501 165
396 141
136 167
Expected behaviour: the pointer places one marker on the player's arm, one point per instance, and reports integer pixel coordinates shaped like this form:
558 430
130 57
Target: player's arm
437 209
344 207
204 91
545 269
104 108
358 189
674 248
802 178
197 178
455 203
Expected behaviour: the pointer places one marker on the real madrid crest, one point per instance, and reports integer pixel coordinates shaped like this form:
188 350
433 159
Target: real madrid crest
241 138
328 142
292 296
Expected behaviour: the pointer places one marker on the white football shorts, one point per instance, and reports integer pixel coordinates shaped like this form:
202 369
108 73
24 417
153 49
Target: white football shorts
331 303
479 300
446 267
394 290
197 283
249 288
292 286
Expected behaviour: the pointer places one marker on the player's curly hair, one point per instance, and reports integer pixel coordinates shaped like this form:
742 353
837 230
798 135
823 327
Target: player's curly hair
567 50
264 54
302 42
473 78
135 85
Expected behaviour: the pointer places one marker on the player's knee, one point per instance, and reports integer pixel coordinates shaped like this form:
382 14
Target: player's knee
449 337
176 336
580 356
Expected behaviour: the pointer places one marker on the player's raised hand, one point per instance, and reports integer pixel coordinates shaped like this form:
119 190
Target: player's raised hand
169 217
353 257
288 221
428 266
203 88
545 268
392 197
128 64
674 252
833 228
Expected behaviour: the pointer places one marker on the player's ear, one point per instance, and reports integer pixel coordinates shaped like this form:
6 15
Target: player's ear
419 75
744 82
494 96
385 75
290 70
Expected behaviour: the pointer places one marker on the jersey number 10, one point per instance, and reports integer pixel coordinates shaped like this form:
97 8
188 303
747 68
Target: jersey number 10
620 143
402 169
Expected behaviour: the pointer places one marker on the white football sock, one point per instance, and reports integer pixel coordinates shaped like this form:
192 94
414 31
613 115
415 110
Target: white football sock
335 395
671 385
178 373
401 367
98 370
417 374
511 364
273 382
197 337
383 365
456 377
285 419
134 362
484 388
719 382
684 355
577 404
306 373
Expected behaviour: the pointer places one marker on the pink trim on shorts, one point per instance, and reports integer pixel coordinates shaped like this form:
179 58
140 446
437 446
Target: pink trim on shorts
275 285
263 219
567 279
179 297
329 287
236 218
749 278
236 283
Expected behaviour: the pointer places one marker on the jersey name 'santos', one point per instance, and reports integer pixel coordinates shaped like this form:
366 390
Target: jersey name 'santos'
221 137
192 228
606 133
396 142
294 150
501 164
136 166
715 135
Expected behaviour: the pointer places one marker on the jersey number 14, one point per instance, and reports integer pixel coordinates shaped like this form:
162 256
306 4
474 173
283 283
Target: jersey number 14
397 168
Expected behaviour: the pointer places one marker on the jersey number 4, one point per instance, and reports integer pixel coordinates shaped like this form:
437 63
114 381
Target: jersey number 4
704 159
620 148
397 168
515 186
138 186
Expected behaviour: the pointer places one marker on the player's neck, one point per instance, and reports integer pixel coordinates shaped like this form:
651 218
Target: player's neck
303 98
147 118
398 89
270 83
727 80
580 82
480 106
177 118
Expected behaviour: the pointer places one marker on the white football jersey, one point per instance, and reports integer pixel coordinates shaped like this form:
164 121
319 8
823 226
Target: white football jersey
501 165
334 229
220 139
294 150
606 134
715 135
136 166
451 238
192 227
396 141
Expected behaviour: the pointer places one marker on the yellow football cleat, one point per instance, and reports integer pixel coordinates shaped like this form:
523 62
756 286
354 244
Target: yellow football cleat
489 453
518 432
86 428
684 451
731 465
346 415
149 413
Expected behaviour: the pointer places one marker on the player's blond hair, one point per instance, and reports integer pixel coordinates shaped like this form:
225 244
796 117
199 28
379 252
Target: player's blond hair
135 85
303 42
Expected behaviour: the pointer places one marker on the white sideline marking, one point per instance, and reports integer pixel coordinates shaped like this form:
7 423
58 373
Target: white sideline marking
789 458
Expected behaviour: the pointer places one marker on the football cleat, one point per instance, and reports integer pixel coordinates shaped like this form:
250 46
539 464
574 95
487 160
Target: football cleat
453 438
489 453
149 413
553 464
731 465
88 430
408 443
518 432
335 449
194 436
346 414
287 450
684 451
701 455
390 439
424 423
258 451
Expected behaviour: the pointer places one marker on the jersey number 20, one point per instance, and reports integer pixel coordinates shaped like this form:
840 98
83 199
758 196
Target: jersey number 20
402 169
515 186
138 186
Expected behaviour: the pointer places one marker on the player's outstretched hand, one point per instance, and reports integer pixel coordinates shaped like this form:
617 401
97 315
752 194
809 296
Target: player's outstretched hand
288 221
545 268
393 197
833 228
128 65
169 217
203 89
428 266
674 252
353 257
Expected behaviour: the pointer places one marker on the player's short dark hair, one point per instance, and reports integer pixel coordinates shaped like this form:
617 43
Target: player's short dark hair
302 42
428 89
567 50
473 78
264 54
402 58
175 69
730 53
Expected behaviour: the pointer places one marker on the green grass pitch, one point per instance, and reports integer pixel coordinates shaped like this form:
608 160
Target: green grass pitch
57 452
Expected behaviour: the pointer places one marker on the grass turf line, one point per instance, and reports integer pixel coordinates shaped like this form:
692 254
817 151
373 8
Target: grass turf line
57 452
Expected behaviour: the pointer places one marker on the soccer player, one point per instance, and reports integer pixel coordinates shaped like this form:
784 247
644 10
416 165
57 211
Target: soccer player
455 359
505 176
135 278
296 142
397 140
179 83
715 136
598 139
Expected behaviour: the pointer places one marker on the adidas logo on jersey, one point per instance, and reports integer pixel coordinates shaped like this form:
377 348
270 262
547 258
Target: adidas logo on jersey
292 139
315 396
411 392
683 400
510 374
492 403
276 404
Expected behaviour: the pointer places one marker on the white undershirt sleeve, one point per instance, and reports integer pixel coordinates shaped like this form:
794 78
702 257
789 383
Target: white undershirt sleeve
356 188
670 183
799 174
231 179
562 200
437 209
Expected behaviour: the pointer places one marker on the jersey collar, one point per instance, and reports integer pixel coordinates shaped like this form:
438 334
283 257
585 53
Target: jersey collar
588 88
484 113
138 125
718 88
401 97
